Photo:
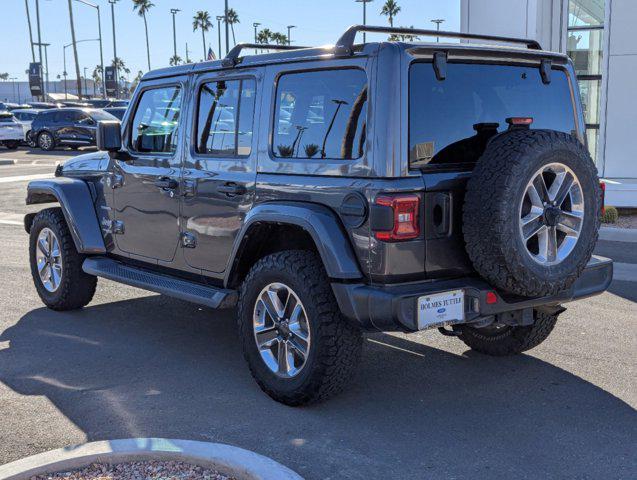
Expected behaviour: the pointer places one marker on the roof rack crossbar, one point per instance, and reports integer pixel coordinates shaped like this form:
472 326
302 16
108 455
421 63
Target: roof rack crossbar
232 58
345 44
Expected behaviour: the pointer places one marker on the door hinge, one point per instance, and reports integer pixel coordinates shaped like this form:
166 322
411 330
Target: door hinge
188 240
114 180
115 227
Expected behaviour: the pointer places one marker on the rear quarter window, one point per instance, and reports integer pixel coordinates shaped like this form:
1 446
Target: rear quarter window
450 121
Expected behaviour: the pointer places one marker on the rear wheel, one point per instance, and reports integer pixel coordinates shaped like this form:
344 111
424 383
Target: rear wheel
502 340
46 141
30 140
299 347
56 266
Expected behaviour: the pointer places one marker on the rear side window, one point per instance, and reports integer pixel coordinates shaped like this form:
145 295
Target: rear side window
451 121
225 118
321 114
154 125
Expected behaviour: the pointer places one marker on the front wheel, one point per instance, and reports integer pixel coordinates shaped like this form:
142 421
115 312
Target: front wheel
56 266
502 340
299 347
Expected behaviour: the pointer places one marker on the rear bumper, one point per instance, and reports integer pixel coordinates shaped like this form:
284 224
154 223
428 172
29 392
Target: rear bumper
394 308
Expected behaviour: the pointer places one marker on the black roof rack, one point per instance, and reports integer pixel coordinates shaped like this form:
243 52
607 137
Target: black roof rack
345 44
232 58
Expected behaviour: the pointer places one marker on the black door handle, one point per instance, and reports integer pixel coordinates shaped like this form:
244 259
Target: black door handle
231 188
166 183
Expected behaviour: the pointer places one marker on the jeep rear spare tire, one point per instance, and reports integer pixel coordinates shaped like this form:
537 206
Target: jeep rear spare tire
532 211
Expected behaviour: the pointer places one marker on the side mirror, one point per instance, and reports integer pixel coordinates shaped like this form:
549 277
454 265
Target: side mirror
109 135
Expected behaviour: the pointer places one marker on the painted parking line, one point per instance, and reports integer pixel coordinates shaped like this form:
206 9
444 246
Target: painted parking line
25 178
7 218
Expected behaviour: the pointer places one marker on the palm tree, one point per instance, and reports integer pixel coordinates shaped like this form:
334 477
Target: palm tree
136 81
233 17
4 76
77 63
404 37
175 60
202 21
97 76
264 35
142 7
120 66
279 38
390 9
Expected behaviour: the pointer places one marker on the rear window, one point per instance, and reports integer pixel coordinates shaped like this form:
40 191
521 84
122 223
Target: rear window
450 121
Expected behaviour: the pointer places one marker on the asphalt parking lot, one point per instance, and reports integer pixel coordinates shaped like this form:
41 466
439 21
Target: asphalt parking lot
134 364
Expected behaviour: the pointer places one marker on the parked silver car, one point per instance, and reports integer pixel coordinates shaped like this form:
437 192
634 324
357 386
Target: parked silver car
25 116
11 133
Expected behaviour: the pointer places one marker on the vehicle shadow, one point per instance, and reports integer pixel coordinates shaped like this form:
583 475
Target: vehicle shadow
157 367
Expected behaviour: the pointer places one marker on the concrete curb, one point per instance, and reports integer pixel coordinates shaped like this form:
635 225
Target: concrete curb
233 461
614 234
7 161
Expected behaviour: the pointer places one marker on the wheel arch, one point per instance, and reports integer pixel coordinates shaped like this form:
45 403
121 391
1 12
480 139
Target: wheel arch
277 226
74 197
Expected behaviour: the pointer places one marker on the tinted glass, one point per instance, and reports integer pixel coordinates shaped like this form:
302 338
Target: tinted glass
6 119
226 111
321 115
154 126
450 121
98 115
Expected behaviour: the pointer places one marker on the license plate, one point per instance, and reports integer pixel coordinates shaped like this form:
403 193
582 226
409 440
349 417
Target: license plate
440 308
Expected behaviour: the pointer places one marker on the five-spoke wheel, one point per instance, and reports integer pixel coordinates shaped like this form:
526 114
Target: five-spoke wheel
551 214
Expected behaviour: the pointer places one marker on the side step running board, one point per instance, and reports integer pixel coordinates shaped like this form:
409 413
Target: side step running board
157 282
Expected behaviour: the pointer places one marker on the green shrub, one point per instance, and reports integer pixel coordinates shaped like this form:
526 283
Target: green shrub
610 215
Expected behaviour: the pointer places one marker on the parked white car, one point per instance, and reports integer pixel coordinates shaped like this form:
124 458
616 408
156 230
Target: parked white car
25 116
11 131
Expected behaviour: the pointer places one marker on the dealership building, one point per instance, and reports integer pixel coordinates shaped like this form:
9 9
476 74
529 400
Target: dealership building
598 36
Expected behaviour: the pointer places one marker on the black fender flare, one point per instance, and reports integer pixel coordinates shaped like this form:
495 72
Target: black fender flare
74 197
322 224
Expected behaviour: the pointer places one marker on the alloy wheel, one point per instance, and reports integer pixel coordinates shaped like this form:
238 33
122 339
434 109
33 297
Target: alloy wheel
49 259
281 330
551 214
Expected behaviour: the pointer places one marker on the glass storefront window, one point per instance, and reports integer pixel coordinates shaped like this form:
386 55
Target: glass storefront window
590 93
585 44
585 13
585 49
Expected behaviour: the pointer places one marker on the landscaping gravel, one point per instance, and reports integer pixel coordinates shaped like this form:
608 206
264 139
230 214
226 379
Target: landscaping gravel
138 471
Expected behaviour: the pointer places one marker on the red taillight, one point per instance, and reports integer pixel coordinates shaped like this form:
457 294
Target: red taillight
491 298
602 185
405 214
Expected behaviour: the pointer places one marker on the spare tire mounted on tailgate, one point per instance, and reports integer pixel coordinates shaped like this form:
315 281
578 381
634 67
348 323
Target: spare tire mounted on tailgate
531 212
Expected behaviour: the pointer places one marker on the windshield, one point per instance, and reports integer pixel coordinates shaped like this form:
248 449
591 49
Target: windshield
451 121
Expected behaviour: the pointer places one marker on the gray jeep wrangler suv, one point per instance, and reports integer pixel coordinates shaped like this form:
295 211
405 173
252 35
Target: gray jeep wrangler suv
326 192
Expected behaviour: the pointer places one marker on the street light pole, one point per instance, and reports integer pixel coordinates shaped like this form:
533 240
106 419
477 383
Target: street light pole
438 21
26 4
64 73
99 32
364 2
290 27
46 61
174 11
225 14
113 2
37 16
255 25
85 84
219 18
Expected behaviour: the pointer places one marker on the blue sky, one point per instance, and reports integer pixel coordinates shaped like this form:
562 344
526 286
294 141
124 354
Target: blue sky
319 23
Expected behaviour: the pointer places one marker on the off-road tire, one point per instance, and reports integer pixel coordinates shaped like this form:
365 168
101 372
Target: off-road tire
11 144
49 146
335 343
491 211
76 288
509 340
